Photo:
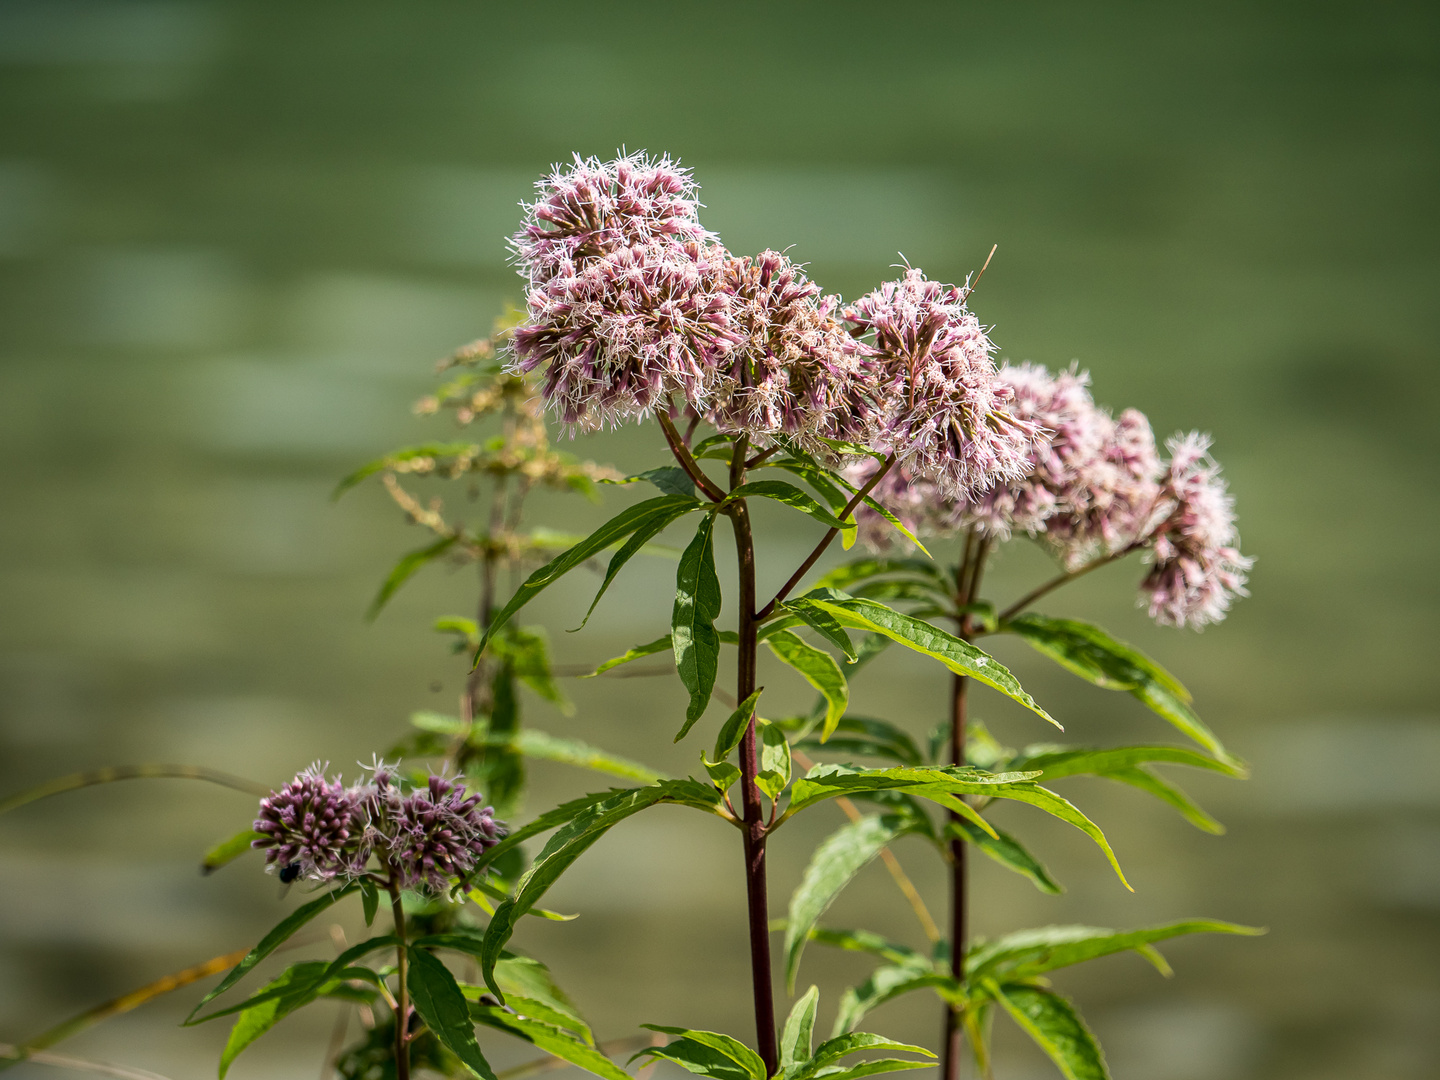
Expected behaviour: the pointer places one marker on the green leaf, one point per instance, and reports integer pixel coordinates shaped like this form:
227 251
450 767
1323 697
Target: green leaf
639 652
671 479
406 568
825 624
369 901
652 527
944 786
1095 656
815 476
875 738
522 976
819 669
528 650
959 656
296 986
835 862
272 941
438 1000
774 772
846 485
733 730
1028 953
884 984
552 1039
614 530
870 1068
697 604
707 1053
1056 1028
842 577
537 744
1007 851
867 941
546 821
409 453
1150 783
841 1046
228 850
788 494
797 1040
568 843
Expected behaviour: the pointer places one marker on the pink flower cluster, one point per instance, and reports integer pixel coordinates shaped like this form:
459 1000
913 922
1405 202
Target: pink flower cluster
632 304
318 829
1096 488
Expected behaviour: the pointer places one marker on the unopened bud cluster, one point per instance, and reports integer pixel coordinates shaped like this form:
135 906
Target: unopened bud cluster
426 837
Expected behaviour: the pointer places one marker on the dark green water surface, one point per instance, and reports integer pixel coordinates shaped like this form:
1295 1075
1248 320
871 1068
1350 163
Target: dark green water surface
234 237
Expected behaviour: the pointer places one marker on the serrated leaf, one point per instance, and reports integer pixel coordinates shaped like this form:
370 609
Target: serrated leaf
652 527
842 577
956 654
1095 656
228 850
774 772
1151 784
788 494
797 1039
867 941
834 497
884 984
842 1046
692 631
369 901
568 843
869 501
613 531
707 1053
552 1039
437 998
733 730
522 979
874 738
338 969
671 479
1007 851
405 569
638 652
945 786
272 941
296 986
833 865
1056 1028
826 625
819 669
1028 953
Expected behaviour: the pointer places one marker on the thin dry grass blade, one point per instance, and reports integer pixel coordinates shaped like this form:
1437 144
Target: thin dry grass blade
133 772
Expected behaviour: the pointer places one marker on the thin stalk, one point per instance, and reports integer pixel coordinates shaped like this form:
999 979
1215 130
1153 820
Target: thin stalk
1067 577
757 899
827 539
687 460
402 993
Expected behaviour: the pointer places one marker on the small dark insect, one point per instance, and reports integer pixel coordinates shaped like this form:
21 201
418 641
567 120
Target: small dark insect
289 873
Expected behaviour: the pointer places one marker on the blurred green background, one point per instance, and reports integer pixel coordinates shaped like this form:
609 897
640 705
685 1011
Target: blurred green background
234 238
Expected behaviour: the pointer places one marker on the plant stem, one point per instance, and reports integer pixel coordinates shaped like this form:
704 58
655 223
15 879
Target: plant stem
1067 577
402 993
967 591
686 459
827 539
757 900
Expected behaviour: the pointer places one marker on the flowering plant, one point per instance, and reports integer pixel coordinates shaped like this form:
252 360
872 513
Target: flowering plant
893 411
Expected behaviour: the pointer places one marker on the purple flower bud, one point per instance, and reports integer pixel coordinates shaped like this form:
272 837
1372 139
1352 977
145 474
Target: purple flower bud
438 833
312 824
945 415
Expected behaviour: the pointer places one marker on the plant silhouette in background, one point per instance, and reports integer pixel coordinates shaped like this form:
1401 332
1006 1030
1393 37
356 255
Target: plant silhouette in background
893 413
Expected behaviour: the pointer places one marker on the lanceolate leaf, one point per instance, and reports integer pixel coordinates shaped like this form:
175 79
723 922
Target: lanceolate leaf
296 986
671 479
826 625
614 530
1056 1028
797 1040
652 527
959 656
228 850
733 730
842 577
551 1039
1064 761
945 786
1147 781
873 738
1028 953
1095 656
835 862
1008 852
885 984
842 1046
819 669
568 843
538 744
438 1000
639 652
272 941
867 941
406 568
693 635
707 1053
790 495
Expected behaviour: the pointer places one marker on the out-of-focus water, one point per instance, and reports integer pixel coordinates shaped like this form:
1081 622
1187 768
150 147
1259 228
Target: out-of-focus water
233 237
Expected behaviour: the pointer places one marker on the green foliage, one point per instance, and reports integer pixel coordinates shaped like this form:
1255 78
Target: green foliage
653 525
1029 953
868 737
406 568
692 631
228 850
707 1053
1007 851
549 1038
819 669
439 1002
1056 1028
788 494
797 1041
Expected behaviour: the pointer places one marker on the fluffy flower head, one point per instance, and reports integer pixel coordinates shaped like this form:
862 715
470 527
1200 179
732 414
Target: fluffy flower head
438 833
311 825
945 412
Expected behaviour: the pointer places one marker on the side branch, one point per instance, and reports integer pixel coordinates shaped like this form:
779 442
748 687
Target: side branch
686 459
827 539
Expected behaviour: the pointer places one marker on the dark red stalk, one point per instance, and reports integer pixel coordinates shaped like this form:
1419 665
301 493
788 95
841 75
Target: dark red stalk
402 992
